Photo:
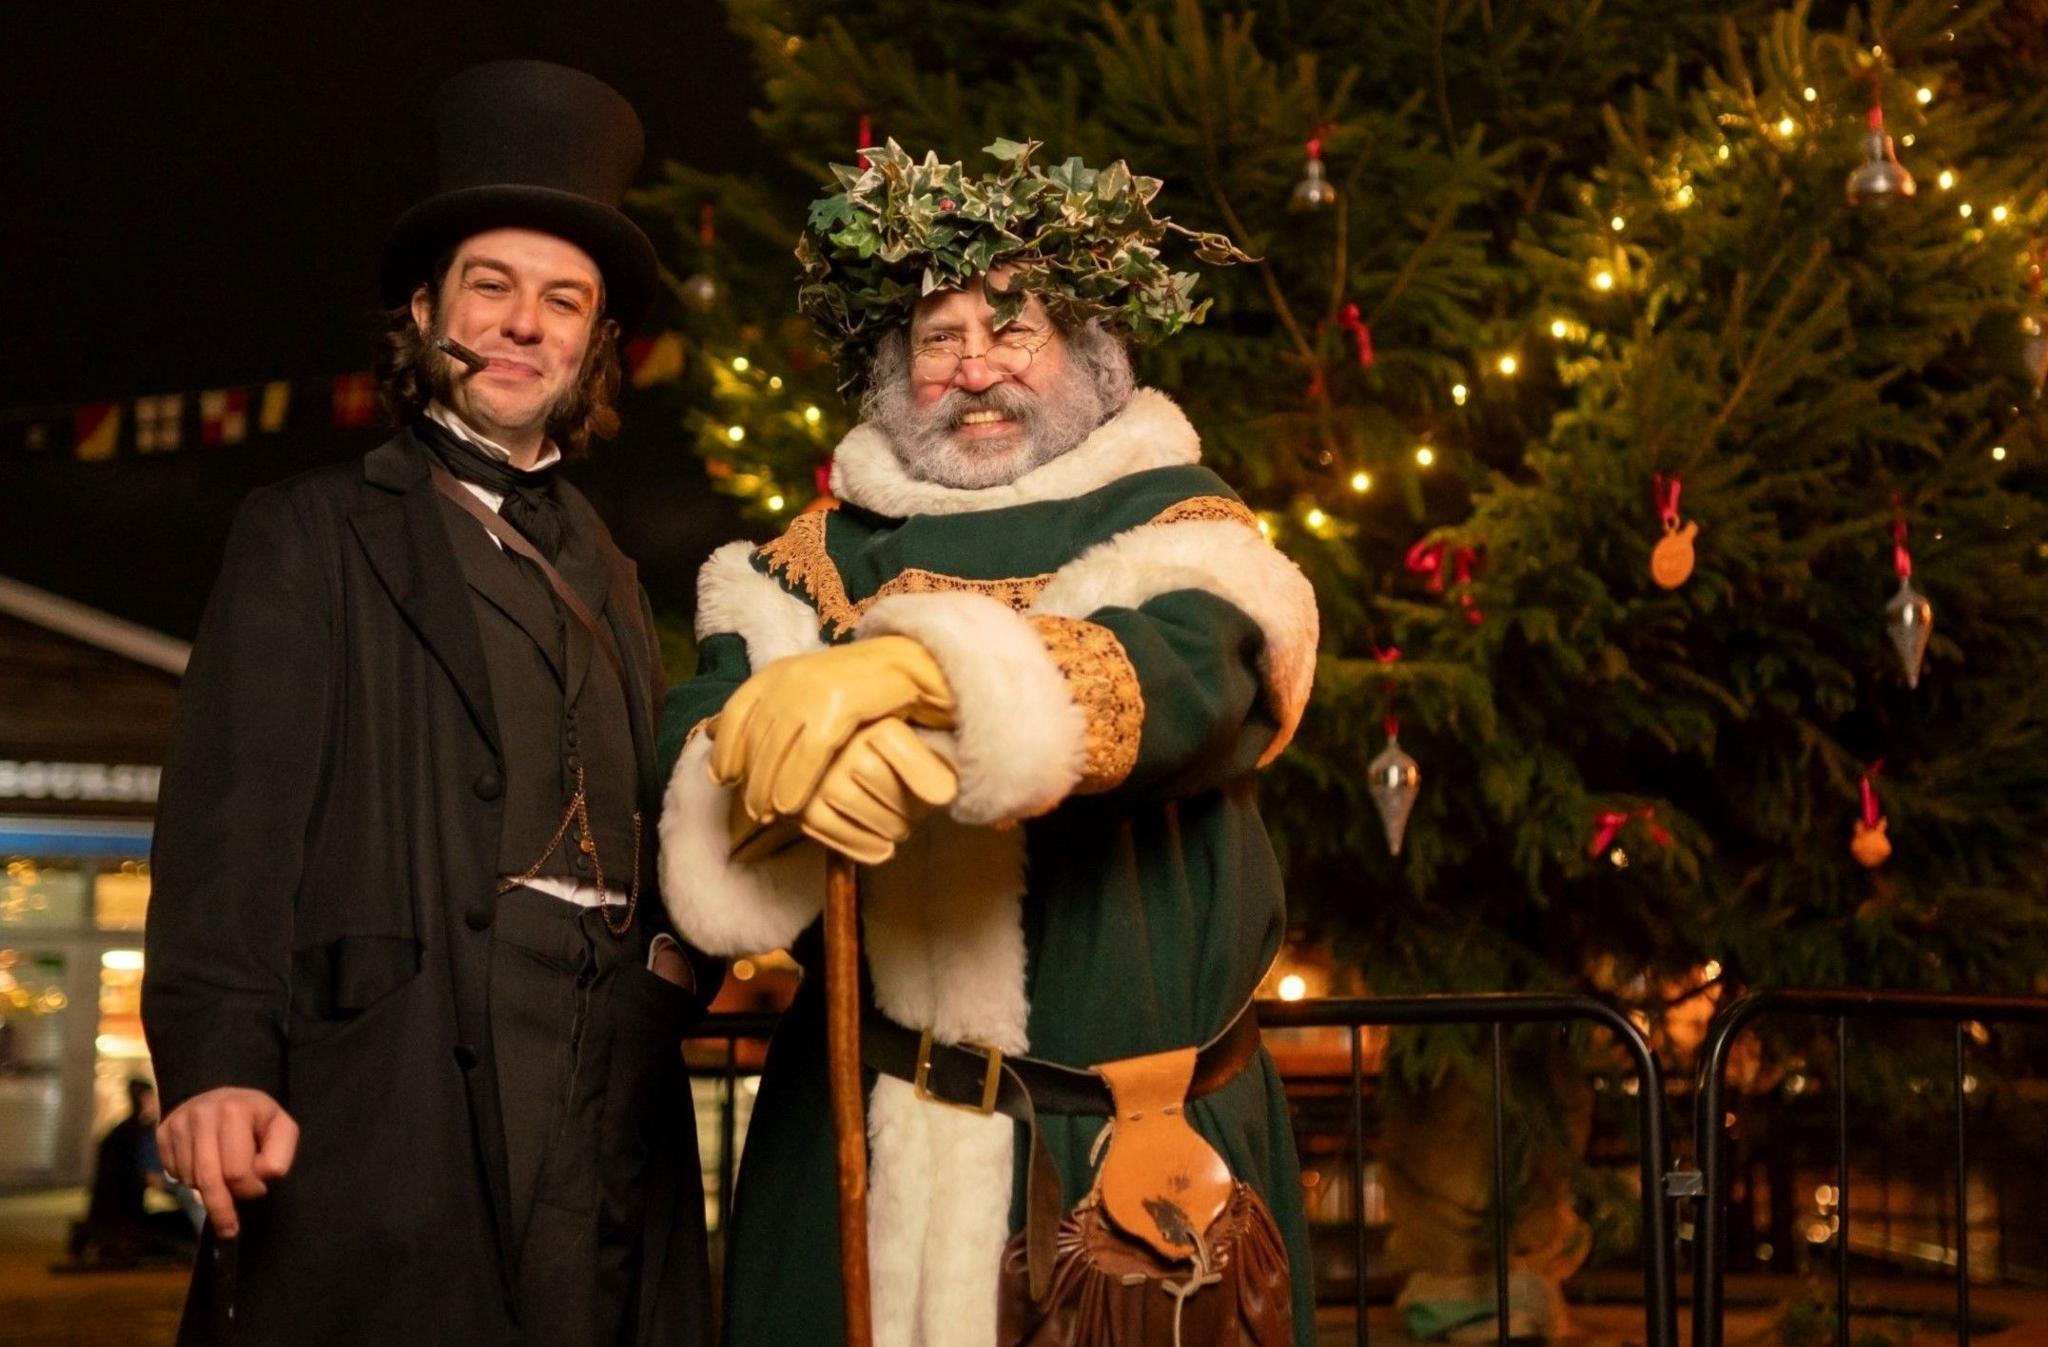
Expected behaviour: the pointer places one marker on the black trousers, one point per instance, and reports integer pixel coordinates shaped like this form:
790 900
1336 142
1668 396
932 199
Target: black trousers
581 1066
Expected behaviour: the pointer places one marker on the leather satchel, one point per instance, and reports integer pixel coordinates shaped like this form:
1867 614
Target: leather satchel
1166 1250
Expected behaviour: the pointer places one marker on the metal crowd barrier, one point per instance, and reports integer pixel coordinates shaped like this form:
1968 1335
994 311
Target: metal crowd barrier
1661 1184
1711 1138
1496 1011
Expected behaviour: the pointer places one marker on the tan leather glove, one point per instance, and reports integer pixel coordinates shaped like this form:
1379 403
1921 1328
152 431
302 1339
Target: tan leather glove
785 724
880 786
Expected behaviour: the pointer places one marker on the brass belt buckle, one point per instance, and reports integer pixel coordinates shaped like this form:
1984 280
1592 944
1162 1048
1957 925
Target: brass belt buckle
991 1083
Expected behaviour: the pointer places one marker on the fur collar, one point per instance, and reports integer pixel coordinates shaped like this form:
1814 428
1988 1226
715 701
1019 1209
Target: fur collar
1150 432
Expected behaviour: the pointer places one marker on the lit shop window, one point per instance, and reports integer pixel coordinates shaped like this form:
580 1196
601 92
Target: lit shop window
119 1053
33 1010
120 897
41 895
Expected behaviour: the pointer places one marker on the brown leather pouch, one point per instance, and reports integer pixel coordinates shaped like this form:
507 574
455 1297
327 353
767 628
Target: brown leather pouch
1166 1249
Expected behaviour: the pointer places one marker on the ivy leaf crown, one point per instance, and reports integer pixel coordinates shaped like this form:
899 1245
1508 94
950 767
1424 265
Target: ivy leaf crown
1084 240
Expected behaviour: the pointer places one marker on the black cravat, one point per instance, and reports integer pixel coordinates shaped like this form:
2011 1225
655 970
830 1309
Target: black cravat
530 505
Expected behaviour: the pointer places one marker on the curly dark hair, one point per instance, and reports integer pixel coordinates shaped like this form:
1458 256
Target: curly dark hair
411 374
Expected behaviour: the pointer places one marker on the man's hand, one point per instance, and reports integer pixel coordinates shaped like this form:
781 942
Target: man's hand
784 726
882 784
227 1143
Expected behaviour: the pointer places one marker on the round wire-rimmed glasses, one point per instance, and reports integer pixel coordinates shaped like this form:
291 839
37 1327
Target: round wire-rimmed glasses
938 362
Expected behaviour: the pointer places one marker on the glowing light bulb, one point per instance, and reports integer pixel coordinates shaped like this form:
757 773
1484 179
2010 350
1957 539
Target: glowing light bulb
1924 94
1425 456
1316 519
1811 93
1603 280
1712 969
1293 987
1786 126
735 433
1265 527
775 382
1908 140
1998 214
1965 210
1459 393
1558 328
740 364
1946 179
1617 224
1723 152
1361 482
1508 365
812 415
775 503
1998 453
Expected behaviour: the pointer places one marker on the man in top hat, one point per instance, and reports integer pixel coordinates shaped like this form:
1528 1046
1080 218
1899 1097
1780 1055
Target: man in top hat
414 1002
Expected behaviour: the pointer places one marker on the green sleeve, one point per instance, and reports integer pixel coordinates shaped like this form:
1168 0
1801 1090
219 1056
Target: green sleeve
721 667
1205 720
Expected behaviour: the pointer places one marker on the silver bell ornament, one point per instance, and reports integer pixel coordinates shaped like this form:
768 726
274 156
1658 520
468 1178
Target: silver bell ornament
2034 347
1880 179
702 292
1315 190
1909 621
1395 780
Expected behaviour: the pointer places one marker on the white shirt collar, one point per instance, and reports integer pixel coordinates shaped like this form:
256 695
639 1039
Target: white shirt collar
442 415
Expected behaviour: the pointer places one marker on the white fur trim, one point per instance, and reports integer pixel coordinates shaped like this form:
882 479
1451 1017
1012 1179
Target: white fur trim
1150 432
724 907
938 1217
1225 559
1021 740
945 942
734 597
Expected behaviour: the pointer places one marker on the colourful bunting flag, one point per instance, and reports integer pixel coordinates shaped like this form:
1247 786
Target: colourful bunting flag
277 404
98 431
223 416
655 360
158 428
355 400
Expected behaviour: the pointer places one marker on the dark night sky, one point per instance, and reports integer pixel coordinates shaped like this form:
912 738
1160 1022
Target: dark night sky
199 193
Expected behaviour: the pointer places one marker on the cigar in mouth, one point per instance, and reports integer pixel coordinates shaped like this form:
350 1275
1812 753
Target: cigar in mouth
449 346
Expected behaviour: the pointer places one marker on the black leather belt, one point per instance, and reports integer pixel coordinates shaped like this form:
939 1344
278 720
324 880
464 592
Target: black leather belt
982 1080
972 1076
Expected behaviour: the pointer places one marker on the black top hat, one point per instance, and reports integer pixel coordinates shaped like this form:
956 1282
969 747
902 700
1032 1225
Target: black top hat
532 145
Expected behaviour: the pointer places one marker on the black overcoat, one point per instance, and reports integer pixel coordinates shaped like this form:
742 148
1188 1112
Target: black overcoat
327 842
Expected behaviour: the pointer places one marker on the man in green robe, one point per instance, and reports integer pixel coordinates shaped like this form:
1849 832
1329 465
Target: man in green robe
1025 669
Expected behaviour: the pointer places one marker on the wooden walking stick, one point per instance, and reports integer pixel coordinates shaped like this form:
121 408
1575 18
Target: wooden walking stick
849 1120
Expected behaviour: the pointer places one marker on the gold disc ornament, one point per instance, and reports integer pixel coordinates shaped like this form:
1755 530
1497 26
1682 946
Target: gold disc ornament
1671 558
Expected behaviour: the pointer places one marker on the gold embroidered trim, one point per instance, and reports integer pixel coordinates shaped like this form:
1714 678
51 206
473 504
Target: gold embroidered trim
1207 508
799 558
1103 683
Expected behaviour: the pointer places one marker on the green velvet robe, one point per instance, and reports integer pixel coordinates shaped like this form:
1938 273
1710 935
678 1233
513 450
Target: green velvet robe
1126 651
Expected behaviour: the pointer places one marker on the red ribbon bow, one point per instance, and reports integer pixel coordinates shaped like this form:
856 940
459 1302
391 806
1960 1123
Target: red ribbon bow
1608 823
1391 655
1354 323
1427 558
1872 815
1667 490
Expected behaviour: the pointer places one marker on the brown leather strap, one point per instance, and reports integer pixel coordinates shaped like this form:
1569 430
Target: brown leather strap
956 1074
515 542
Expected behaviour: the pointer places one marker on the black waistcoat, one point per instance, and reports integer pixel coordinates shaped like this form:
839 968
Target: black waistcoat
559 706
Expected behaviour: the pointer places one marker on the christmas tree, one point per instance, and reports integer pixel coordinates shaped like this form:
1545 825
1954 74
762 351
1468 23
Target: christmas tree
1539 286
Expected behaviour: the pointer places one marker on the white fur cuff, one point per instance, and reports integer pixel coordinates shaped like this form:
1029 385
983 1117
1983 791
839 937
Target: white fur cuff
722 906
1021 738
